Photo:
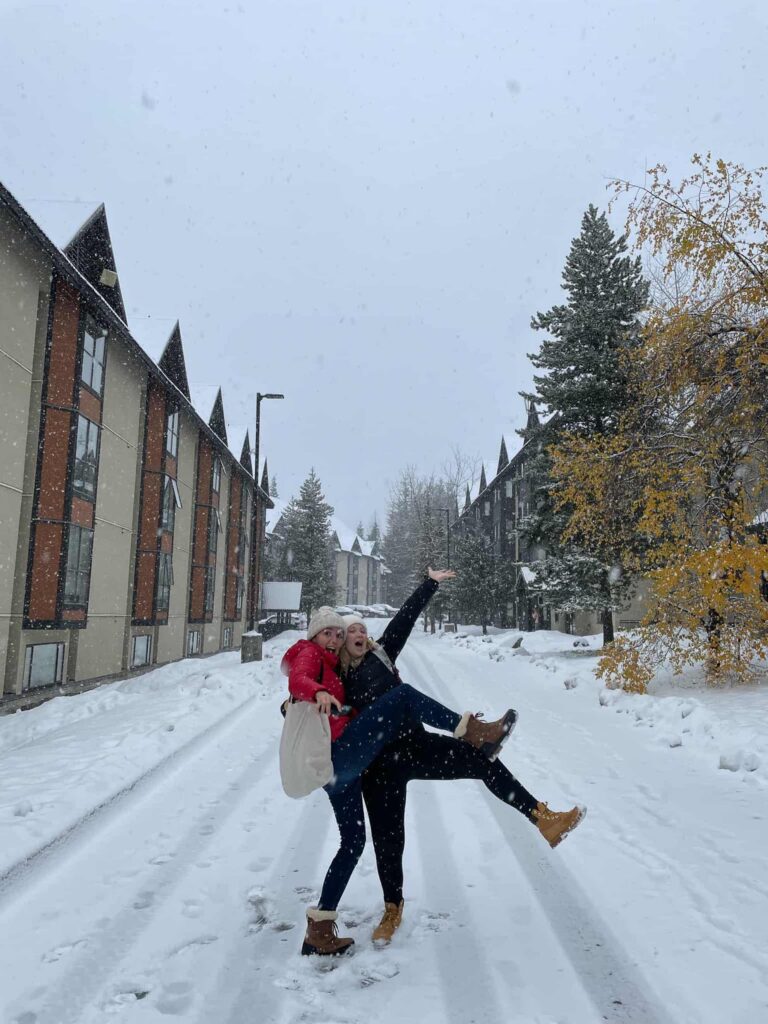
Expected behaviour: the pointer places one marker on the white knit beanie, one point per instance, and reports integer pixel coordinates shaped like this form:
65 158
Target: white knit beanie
324 618
354 620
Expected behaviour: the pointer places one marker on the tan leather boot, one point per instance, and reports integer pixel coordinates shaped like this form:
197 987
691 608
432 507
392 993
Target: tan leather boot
390 922
488 737
555 825
322 938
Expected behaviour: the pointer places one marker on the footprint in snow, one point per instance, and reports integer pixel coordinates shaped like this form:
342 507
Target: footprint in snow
175 998
192 908
144 900
54 955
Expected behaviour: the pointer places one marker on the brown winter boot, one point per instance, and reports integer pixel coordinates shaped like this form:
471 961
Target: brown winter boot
555 825
322 938
489 737
390 922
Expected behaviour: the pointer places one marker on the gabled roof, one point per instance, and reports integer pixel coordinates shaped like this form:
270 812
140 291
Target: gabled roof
216 422
265 479
172 363
245 455
483 483
90 250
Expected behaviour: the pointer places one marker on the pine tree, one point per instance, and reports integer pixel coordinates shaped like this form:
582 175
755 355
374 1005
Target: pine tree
360 531
585 390
374 532
483 583
273 487
307 552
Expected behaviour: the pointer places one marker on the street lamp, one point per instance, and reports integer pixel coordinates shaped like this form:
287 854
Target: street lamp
254 533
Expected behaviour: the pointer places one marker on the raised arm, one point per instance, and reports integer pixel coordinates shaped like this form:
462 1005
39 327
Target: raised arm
397 632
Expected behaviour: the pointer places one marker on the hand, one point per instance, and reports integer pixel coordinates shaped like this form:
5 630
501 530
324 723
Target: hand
325 701
440 575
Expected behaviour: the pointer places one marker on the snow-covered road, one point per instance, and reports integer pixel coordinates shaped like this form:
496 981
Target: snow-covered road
151 866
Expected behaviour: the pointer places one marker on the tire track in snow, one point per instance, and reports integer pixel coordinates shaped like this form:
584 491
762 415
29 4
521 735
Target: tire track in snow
66 1000
19 877
614 983
461 1002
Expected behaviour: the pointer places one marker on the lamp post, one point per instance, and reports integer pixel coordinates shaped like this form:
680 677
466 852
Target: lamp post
255 533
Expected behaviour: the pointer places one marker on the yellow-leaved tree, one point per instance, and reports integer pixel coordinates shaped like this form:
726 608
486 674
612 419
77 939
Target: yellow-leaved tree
682 487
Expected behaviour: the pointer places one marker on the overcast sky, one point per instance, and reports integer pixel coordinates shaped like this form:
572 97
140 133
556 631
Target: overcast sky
360 204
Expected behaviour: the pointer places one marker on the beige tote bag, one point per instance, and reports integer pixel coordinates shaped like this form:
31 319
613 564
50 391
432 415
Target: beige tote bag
305 749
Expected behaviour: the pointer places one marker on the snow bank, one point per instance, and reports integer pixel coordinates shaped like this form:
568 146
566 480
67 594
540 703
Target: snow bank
67 757
726 727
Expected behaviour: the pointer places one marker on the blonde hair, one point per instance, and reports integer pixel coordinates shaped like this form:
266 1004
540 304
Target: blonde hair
346 661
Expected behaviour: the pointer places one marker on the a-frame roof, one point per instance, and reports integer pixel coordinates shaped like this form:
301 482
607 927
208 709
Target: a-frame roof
483 482
245 455
216 422
265 479
172 363
91 252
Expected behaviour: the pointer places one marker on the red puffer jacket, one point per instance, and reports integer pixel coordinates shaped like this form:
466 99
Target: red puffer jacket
302 664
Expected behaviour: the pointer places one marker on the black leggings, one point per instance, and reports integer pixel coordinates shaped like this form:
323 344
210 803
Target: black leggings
425 755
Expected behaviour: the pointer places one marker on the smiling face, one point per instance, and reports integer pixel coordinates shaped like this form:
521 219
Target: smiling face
330 639
356 642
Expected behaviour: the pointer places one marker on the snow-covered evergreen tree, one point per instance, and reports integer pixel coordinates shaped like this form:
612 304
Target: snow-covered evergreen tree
483 583
306 550
374 531
273 487
360 531
584 390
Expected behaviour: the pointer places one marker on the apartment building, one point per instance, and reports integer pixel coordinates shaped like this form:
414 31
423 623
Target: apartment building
130 533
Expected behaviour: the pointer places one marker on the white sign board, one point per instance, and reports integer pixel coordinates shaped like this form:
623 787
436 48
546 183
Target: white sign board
281 597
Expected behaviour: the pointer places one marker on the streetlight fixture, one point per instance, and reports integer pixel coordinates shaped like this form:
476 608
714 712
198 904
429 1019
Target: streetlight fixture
254 532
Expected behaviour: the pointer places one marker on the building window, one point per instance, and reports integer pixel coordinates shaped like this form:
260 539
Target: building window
509 488
193 641
164 582
213 530
86 459
216 474
486 508
79 552
239 591
43 665
210 580
142 651
92 373
227 637
168 511
172 433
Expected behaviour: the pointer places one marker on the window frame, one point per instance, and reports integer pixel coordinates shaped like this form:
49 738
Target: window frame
29 661
164 581
142 637
90 427
79 571
193 642
209 590
216 475
95 358
168 506
172 432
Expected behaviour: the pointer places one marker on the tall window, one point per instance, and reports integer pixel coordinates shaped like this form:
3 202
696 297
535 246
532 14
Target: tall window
193 641
239 591
172 433
168 513
210 576
213 530
164 582
78 578
216 474
509 488
86 458
94 339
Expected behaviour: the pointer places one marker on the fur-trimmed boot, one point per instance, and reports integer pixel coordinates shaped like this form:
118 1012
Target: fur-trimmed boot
555 825
390 922
488 737
322 938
